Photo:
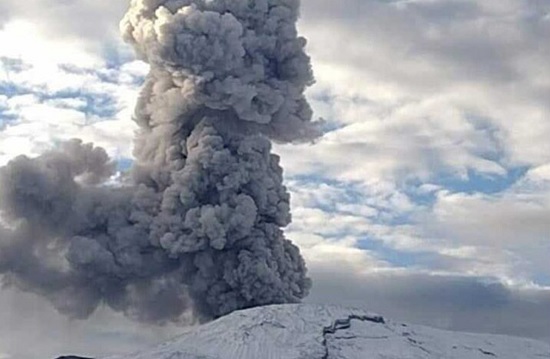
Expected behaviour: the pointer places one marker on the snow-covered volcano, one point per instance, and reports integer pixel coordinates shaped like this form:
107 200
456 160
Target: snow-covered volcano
327 332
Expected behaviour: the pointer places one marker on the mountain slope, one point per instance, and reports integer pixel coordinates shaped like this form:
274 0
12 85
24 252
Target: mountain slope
326 332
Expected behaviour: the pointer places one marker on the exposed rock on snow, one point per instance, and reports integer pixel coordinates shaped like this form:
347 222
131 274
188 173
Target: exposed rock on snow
328 332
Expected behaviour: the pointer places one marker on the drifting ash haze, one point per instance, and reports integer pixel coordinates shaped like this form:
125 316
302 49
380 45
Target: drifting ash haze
198 227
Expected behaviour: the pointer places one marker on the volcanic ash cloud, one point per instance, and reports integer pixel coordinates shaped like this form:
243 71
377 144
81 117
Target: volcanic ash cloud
198 227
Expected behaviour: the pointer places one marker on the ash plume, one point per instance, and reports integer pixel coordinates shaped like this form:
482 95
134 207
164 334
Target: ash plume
197 227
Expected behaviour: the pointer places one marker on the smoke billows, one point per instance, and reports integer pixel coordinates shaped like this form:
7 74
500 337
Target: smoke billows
198 226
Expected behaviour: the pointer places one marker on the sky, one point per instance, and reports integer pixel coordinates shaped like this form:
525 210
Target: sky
427 199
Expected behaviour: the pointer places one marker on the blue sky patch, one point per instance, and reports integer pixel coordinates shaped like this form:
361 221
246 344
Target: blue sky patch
101 105
6 118
116 54
124 164
482 183
10 89
541 279
10 65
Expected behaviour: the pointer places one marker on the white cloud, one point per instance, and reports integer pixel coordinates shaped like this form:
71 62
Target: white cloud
94 22
503 236
422 95
416 74
52 91
509 230
42 50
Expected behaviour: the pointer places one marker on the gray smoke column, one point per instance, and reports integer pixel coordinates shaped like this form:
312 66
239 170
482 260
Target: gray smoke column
197 227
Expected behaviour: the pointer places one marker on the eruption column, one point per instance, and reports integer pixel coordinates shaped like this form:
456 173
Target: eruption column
198 227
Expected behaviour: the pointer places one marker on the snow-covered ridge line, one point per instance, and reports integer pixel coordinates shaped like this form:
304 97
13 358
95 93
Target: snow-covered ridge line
339 324
346 323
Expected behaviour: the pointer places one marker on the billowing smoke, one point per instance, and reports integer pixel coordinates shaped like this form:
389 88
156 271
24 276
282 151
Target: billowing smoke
197 226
